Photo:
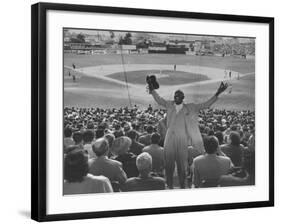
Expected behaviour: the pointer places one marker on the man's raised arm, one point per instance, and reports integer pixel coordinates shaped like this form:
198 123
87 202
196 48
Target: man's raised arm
213 99
158 98
208 103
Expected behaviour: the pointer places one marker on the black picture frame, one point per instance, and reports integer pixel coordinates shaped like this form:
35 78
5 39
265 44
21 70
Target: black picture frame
39 108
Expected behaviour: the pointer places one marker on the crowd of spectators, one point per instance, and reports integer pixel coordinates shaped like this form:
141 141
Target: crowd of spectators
113 150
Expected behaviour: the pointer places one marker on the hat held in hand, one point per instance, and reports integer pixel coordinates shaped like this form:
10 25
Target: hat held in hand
152 82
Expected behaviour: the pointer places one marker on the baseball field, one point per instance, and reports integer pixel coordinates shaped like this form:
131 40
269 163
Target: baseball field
114 80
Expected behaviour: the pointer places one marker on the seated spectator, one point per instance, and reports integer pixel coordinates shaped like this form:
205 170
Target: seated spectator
77 180
146 139
88 137
78 139
244 175
208 168
136 147
102 165
91 126
67 141
99 133
243 140
157 154
120 148
127 127
234 150
219 136
145 181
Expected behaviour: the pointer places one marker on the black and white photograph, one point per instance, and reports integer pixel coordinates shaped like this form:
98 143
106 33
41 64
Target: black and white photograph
151 111
140 111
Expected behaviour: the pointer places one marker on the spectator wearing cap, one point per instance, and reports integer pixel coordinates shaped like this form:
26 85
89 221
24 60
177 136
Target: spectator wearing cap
157 154
78 180
102 165
208 168
67 141
88 137
146 139
145 181
120 148
234 150
136 147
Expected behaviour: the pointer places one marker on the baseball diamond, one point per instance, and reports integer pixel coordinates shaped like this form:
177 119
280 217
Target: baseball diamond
104 84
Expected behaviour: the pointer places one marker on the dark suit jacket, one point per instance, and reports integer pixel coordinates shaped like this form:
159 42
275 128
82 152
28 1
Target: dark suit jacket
136 148
145 139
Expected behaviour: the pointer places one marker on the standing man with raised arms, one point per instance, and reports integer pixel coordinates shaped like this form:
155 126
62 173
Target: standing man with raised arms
182 129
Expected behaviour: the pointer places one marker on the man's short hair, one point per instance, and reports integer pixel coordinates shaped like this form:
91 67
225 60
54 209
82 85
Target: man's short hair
132 134
155 138
99 133
135 126
121 145
219 136
67 132
211 144
88 136
77 137
75 165
144 161
149 129
211 132
100 147
234 138
90 125
179 91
